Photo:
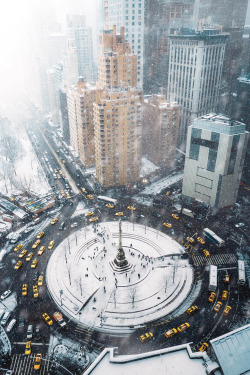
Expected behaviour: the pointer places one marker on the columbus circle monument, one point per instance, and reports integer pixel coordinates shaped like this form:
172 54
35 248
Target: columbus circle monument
115 277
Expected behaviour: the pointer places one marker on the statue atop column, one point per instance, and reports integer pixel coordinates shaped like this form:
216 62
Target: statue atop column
120 262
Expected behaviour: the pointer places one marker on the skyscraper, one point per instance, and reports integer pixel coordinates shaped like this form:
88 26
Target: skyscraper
80 49
117 113
160 123
161 16
128 14
195 70
216 147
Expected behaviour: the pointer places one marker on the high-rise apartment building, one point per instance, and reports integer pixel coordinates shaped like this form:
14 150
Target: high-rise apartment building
216 147
80 49
195 70
117 113
117 118
160 121
80 100
128 14
160 17
117 65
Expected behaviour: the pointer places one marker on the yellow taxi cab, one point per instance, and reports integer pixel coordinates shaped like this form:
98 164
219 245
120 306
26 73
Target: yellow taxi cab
93 219
206 253
40 235
203 347
18 247
55 170
18 265
34 263
170 333
89 214
119 213
131 208
226 279
67 195
51 245
24 290
40 280
23 252
41 250
109 205
60 171
29 256
183 327
199 239
227 310
90 196
176 217
224 295
190 239
192 309
168 225
53 221
34 246
168 193
28 348
58 176
217 307
146 336
212 297
35 291
47 319
83 190
62 193
37 362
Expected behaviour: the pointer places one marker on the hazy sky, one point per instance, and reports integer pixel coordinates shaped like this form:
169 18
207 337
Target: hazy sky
13 32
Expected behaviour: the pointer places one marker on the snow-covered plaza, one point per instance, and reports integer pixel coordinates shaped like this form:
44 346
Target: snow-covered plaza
83 281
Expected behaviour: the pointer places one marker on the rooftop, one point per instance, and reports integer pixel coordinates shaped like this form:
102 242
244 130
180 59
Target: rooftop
219 123
233 351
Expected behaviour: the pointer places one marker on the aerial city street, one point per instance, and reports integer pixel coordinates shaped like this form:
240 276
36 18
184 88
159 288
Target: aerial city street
124 191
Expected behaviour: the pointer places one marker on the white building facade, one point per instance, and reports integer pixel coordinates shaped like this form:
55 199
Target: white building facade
194 76
130 14
216 147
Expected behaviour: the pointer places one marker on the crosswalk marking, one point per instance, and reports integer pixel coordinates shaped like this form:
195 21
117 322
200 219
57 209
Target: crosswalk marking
24 364
229 258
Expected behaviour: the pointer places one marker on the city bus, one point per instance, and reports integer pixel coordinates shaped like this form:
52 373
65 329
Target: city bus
105 200
208 233
212 278
241 272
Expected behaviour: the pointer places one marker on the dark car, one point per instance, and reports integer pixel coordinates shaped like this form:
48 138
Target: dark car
37 335
35 276
21 321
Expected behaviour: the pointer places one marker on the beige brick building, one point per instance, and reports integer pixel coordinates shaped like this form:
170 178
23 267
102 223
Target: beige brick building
117 118
160 130
117 67
117 113
80 109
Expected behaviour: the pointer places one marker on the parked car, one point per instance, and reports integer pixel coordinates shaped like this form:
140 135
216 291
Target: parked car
5 294
11 325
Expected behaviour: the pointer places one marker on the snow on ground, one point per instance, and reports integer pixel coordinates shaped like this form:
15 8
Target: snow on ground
96 295
147 167
27 171
81 209
158 186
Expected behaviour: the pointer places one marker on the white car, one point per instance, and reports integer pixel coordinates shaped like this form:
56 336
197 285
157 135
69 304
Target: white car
74 225
5 294
11 325
239 225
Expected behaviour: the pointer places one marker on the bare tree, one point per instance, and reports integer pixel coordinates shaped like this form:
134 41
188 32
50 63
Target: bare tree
132 294
114 297
165 281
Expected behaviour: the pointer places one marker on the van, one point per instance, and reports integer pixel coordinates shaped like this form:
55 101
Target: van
30 331
5 318
62 225
11 325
